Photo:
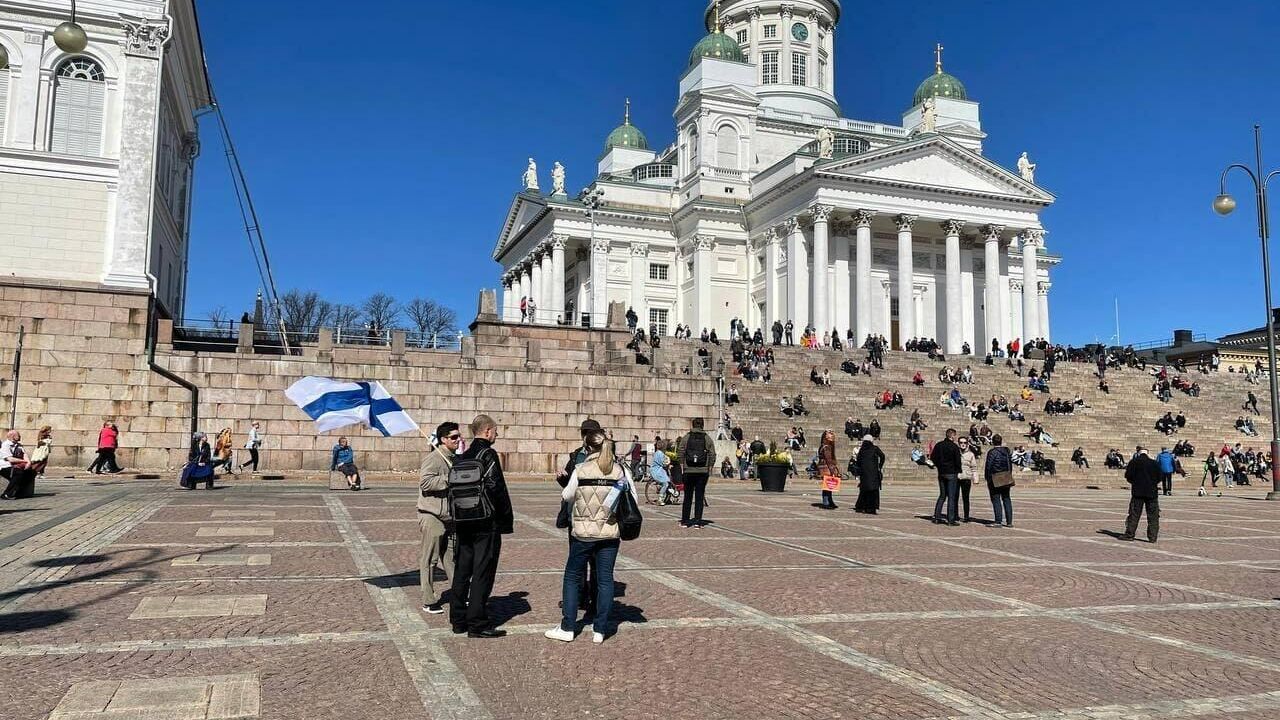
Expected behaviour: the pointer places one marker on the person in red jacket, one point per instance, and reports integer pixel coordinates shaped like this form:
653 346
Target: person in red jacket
108 441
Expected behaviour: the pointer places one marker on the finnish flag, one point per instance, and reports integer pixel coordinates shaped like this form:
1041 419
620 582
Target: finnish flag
334 404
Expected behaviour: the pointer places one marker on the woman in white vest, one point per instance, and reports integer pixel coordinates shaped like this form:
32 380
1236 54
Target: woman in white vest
593 489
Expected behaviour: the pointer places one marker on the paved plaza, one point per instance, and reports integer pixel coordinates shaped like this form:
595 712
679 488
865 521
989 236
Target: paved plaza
129 600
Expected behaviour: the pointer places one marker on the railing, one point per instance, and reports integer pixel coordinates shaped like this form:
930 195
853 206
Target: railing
725 173
434 341
1167 343
208 336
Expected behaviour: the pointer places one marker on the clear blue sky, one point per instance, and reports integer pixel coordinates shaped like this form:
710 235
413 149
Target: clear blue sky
383 140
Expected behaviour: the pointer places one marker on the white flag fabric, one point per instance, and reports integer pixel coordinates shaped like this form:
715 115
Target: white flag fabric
335 404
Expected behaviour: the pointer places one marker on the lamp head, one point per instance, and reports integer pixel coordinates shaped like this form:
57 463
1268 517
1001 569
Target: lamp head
1224 204
70 37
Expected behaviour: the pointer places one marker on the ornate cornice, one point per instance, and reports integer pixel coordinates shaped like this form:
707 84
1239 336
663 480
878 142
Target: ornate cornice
145 37
951 227
862 218
904 222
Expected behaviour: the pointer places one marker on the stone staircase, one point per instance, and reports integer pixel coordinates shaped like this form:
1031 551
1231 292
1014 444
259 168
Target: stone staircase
1122 419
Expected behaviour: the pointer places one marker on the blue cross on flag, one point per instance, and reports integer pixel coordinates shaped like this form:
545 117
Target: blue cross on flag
335 404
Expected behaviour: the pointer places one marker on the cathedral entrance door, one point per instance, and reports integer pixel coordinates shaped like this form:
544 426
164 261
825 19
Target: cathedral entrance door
894 341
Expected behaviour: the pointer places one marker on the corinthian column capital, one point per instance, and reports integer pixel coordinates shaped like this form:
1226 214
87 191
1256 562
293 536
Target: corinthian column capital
862 218
144 37
820 212
951 227
905 222
992 232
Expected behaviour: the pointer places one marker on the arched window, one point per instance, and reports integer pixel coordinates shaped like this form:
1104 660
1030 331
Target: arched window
727 147
4 102
79 102
693 148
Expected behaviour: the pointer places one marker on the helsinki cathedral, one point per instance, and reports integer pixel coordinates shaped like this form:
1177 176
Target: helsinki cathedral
769 205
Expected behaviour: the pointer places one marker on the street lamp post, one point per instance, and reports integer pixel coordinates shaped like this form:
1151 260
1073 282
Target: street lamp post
1223 205
592 199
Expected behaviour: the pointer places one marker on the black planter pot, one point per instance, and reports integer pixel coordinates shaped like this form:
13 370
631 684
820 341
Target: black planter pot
773 477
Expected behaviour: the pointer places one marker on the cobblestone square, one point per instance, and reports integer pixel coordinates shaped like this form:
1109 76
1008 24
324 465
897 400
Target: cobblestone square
113 608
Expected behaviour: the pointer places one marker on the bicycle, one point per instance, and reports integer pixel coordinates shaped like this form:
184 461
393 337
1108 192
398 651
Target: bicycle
652 489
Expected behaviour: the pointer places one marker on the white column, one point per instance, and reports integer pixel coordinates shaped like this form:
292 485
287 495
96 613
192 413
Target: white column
955 330
581 271
821 298
1007 327
1015 303
130 245
993 303
831 64
26 92
1030 312
968 300
906 279
546 304
841 293
535 291
811 77
557 276
507 282
750 316
771 309
862 283
702 246
526 282
886 317
784 59
917 299
797 269
599 282
1043 293
754 35
639 278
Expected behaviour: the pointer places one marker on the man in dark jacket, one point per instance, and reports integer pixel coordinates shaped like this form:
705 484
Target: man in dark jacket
697 455
1143 476
946 458
870 461
479 545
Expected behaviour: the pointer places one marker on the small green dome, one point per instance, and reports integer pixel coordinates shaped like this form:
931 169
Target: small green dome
626 135
716 45
940 84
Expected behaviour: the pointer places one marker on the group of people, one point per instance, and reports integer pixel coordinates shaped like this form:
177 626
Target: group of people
19 469
203 458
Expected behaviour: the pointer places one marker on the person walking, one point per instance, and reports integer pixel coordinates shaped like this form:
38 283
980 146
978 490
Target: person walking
593 533
790 331
588 428
1143 476
828 466
946 458
108 442
870 462
1210 471
222 451
433 515
44 448
968 474
1251 403
343 459
697 453
998 472
253 444
1167 464
479 544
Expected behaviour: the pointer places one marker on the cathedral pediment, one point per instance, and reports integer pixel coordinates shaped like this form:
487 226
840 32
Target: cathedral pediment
527 207
934 162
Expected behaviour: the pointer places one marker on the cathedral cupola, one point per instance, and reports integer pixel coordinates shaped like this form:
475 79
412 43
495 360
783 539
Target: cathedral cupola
939 84
717 45
626 135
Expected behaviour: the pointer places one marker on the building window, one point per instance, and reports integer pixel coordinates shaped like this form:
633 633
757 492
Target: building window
770 32
693 148
822 74
727 147
798 61
78 105
742 37
769 68
658 319
4 100
659 271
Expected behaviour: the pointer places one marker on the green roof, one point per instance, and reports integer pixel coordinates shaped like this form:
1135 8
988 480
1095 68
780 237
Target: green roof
626 135
939 84
716 45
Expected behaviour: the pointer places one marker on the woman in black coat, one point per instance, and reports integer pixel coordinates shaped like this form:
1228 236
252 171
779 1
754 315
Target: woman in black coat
870 475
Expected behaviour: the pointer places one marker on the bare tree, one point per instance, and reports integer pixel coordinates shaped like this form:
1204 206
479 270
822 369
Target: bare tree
381 311
430 318
305 312
345 316
218 316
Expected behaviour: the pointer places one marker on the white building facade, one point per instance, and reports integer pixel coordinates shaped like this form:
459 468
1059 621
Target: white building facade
97 147
769 206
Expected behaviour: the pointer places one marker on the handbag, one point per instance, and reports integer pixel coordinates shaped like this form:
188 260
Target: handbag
831 483
628 516
1001 479
562 517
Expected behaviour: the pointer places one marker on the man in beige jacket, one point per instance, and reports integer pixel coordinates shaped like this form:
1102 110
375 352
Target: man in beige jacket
433 515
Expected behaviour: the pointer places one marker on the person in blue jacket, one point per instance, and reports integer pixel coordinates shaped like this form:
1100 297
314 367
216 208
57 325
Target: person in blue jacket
1165 458
199 466
344 461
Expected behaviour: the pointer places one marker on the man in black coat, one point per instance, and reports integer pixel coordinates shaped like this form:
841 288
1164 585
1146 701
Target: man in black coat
1143 476
946 458
870 461
479 545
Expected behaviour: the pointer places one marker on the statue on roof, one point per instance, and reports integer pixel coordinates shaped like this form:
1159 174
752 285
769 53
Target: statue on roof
531 176
1026 169
929 116
557 179
826 143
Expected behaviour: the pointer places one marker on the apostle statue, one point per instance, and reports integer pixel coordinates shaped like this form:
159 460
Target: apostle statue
531 176
929 116
1026 169
557 179
826 143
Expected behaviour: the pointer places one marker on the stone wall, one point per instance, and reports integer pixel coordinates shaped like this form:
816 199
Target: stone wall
58 224
85 361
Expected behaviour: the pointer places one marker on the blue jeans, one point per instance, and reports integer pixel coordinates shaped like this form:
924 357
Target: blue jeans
948 491
605 553
1001 505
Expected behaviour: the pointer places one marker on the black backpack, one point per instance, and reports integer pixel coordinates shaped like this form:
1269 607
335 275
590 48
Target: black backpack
469 503
695 450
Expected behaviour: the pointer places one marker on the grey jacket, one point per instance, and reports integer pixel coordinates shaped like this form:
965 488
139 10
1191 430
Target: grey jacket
433 483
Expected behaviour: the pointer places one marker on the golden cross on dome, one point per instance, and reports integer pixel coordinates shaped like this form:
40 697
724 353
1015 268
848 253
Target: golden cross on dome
718 26
626 117
937 58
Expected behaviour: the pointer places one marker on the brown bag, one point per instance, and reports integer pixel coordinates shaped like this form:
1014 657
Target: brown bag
1004 478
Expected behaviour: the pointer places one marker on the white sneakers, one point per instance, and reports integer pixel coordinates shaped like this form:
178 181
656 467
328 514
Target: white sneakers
558 633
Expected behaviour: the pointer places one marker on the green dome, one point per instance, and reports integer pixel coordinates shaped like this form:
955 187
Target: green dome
940 84
716 45
626 135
